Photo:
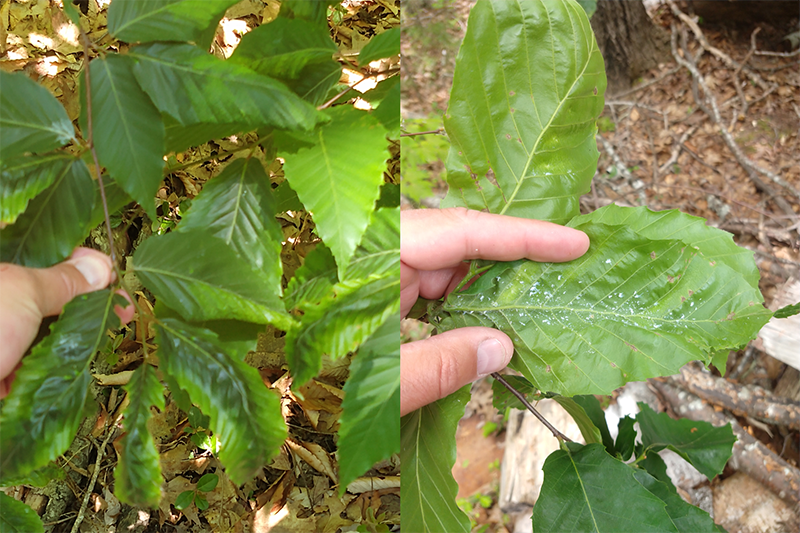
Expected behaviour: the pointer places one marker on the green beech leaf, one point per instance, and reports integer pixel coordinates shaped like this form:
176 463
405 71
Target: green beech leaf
138 474
245 415
370 421
786 312
312 281
51 391
178 137
294 51
630 309
590 6
386 44
502 398
706 447
337 184
127 129
31 118
17 517
238 207
287 199
166 20
37 478
207 482
24 177
598 417
654 464
428 453
388 112
625 438
315 11
585 489
684 516
195 87
202 278
527 89
353 308
55 222
590 432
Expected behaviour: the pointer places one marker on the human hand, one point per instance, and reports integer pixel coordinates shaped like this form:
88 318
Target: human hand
433 247
30 294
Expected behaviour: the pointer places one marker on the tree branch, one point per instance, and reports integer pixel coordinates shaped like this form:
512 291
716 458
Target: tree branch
521 397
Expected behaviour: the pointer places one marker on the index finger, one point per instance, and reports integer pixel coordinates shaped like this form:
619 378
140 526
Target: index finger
431 239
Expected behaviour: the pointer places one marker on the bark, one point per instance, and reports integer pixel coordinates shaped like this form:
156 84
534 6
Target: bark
629 40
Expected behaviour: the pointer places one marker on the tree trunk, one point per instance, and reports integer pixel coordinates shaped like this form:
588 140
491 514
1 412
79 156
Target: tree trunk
629 40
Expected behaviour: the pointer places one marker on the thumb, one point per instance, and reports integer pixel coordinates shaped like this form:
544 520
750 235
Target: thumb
433 368
85 271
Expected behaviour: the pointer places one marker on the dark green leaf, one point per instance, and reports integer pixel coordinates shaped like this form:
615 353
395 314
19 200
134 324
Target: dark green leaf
207 482
315 11
590 6
178 137
706 447
585 489
527 89
655 465
24 177
287 199
591 434
195 87
390 196
238 207
37 478
388 112
116 199
625 438
202 278
294 51
630 309
378 254
72 13
428 453
386 44
245 415
138 474
200 501
50 393
786 312
598 417
502 398
370 421
127 129
17 517
337 184
184 500
684 516
31 118
312 281
165 20
55 222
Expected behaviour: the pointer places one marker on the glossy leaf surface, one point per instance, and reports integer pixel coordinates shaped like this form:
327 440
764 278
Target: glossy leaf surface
629 309
527 88
138 473
706 447
244 414
428 453
50 393
127 129
18 517
55 222
165 20
585 489
202 278
23 178
370 421
238 207
31 118
337 184
217 91
386 44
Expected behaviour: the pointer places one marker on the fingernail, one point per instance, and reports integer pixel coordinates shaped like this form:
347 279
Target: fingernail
93 268
492 357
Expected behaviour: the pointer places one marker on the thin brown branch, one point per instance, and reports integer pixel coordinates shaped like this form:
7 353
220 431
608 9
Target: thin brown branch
645 85
521 397
416 133
101 451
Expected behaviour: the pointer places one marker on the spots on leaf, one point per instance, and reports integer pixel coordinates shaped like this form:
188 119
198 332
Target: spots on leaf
547 369
508 136
613 365
653 255
683 299
594 91
713 263
730 316
631 346
511 93
691 292
513 110
670 279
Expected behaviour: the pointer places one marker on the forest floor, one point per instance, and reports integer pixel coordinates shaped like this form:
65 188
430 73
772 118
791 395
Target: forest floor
657 148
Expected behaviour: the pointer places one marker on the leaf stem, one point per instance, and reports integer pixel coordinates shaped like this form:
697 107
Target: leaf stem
521 397
414 134
473 271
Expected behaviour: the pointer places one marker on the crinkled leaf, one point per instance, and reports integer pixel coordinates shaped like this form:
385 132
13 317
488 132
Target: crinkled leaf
339 184
195 87
428 453
386 44
128 133
369 428
238 207
706 447
202 278
786 312
585 489
18 517
527 89
294 51
312 281
630 309
165 20
24 177
31 118
684 516
138 474
245 415
49 397
626 438
55 222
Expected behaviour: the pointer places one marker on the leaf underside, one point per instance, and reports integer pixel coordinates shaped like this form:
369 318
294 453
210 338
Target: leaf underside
23 178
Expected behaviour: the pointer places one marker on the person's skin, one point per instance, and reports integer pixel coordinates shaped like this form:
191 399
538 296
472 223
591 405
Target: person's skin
433 247
27 295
